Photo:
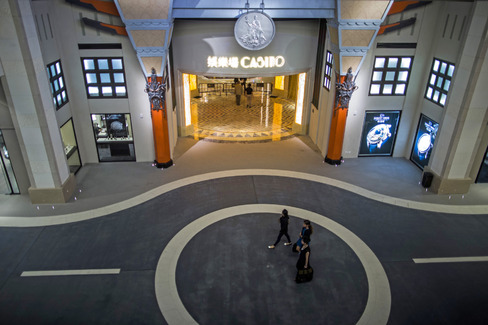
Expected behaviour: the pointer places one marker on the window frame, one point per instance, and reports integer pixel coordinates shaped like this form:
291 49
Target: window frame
395 81
52 82
328 70
98 72
434 87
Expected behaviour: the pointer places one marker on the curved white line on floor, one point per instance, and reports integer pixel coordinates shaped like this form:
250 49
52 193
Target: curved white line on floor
378 305
120 206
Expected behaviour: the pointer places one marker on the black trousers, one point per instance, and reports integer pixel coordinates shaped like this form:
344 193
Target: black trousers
282 232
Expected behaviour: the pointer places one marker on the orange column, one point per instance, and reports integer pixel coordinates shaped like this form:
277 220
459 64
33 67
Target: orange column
337 130
161 133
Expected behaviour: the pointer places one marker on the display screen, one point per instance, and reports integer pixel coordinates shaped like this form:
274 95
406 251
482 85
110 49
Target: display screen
379 133
424 141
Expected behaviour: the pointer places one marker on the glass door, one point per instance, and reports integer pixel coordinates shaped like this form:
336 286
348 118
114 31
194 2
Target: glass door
8 183
483 173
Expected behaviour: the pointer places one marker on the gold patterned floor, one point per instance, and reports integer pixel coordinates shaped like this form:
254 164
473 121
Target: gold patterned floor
218 118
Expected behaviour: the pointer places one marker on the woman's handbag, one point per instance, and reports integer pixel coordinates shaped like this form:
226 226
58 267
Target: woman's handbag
294 248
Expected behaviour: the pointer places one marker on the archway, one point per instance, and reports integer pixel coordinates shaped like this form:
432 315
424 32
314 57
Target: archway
217 115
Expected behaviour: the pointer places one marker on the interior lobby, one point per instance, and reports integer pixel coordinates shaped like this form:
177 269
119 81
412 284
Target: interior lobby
137 188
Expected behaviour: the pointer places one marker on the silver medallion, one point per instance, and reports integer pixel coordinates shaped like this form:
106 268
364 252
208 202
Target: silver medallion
254 30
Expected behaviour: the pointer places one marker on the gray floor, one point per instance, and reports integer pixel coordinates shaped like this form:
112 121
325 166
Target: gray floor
226 274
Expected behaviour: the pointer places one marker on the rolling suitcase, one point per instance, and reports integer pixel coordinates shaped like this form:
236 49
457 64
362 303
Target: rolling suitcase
304 275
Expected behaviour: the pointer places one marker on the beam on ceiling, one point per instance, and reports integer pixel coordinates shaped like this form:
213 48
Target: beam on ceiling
280 13
240 4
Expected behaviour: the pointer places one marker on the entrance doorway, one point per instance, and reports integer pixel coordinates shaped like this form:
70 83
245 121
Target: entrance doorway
267 114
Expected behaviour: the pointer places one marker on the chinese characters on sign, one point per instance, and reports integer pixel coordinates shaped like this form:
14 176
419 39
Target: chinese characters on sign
245 62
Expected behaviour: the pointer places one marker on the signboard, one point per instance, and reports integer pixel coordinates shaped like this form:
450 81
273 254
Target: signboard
424 141
245 62
379 133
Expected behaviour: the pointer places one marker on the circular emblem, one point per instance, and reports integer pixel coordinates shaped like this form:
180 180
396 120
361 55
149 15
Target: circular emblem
254 30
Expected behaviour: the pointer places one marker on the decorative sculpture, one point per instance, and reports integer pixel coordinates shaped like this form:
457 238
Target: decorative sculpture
156 91
254 30
345 90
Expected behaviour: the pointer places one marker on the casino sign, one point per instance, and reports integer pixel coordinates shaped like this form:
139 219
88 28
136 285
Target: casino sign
246 62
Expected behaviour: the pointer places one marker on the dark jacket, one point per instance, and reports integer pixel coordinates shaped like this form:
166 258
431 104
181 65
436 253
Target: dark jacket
284 223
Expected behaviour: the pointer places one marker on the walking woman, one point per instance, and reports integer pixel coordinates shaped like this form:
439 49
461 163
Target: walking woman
306 232
284 219
304 270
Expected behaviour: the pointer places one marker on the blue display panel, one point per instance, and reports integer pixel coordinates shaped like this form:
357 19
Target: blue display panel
379 133
424 141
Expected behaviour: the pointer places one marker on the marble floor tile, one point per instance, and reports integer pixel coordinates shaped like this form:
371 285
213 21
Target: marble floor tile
218 118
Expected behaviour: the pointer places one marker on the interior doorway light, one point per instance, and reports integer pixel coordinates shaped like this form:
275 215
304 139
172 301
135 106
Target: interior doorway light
280 82
300 98
193 82
186 98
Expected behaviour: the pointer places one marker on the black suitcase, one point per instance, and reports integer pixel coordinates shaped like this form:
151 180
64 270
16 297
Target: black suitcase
305 275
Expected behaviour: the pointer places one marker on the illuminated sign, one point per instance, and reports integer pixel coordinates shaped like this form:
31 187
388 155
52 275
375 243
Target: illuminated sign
246 62
424 142
379 133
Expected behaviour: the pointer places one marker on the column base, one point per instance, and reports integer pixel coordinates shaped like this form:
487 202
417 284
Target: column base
448 186
54 195
164 165
332 161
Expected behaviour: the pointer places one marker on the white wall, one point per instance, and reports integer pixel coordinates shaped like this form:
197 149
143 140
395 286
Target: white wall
428 33
67 31
326 105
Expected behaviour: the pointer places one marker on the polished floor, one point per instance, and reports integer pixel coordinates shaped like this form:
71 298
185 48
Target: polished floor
217 117
188 244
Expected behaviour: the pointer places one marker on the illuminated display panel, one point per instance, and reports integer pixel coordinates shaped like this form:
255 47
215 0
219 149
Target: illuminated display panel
379 133
424 141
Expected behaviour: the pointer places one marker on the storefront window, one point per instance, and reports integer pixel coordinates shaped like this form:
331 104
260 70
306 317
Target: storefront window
483 173
8 183
70 146
113 135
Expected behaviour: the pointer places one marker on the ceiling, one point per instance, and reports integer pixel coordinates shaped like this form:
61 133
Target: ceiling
352 24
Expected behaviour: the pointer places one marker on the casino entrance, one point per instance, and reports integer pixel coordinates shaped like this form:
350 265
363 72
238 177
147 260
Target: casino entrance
268 114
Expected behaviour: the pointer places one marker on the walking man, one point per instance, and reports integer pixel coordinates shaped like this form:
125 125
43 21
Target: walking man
238 92
249 95
284 219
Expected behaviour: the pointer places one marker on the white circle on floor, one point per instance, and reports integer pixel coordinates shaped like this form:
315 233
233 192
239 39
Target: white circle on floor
378 305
